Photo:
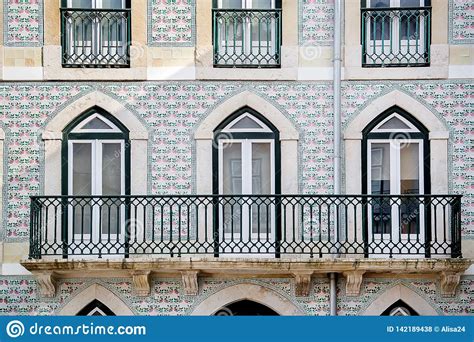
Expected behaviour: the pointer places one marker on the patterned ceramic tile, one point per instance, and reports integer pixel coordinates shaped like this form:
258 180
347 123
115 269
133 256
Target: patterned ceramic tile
23 22
461 22
171 22
172 111
316 22
18 295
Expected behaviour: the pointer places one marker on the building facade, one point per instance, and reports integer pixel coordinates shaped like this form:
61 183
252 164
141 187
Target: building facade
198 157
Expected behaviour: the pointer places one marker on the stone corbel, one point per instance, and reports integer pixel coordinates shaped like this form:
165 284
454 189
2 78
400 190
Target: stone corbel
141 283
449 283
46 283
302 283
353 282
190 282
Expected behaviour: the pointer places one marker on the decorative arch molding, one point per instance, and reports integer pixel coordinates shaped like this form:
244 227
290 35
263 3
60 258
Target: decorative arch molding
253 292
96 291
56 125
204 135
246 98
400 292
53 134
435 126
438 139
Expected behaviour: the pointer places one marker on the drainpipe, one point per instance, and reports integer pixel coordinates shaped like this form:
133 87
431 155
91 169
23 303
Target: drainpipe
338 17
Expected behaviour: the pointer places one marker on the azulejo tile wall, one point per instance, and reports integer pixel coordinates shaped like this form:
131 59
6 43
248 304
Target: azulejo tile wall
316 22
171 22
23 22
461 22
173 110
18 295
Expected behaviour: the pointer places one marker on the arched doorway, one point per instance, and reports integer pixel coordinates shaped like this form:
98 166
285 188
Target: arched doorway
245 308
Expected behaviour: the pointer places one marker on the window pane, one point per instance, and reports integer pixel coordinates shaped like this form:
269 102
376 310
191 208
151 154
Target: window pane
410 3
112 4
380 184
410 184
231 4
246 122
80 3
261 185
111 185
232 185
378 3
262 4
96 123
82 186
394 123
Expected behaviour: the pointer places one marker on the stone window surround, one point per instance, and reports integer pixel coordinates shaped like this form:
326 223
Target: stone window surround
400 292
52 65
204 49
439 64
253 292
53 134
100 293
204 137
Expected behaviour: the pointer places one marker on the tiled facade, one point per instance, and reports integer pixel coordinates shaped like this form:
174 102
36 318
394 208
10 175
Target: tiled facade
172 110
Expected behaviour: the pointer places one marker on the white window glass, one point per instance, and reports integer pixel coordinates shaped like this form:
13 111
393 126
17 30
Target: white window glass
394 123
262 4
231 4
410 184
380 184
246 123
261 185
232 176
111 185
80 3
96 123
82 186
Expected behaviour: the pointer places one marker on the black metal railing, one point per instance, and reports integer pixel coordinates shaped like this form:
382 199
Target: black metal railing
313 225
396 36
95 37
247 38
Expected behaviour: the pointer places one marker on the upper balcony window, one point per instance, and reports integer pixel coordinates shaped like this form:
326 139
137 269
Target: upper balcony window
247 33
396 32
95 33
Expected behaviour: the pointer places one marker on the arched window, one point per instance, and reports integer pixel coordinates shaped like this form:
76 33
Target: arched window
95 163
399 308
95 308
395 161
246 161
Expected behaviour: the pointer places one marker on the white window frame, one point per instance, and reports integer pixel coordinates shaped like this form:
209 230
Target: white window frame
395 179
96 189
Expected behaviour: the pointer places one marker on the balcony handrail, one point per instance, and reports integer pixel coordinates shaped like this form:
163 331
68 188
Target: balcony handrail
377 9
420 225
95 38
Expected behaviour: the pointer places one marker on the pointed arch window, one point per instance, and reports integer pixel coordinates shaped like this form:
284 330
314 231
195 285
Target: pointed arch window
246 161
95 173
399 308
394 150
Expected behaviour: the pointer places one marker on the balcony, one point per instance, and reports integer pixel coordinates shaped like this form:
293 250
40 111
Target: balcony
95 38
247 38
357 226
394 37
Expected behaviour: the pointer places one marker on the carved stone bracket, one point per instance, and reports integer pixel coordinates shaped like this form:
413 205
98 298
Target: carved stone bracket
141 283
190 282
46 283
353 282
302 283
449 283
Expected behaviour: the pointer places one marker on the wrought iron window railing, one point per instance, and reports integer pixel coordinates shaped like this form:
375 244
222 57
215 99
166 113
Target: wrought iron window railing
247 38
95 37
312 225
396 36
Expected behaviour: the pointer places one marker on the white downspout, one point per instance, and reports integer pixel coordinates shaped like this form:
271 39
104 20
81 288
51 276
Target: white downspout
338 16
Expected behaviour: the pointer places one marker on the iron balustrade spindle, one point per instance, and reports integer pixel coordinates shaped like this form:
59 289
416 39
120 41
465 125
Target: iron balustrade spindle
274 225
248 38
95 38
396 36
